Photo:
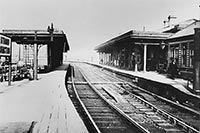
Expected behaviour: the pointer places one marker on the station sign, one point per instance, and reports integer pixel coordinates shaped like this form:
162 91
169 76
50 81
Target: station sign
5 45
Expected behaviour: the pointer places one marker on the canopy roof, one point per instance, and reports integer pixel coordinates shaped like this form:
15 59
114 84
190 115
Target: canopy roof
37 36
152 38
166 34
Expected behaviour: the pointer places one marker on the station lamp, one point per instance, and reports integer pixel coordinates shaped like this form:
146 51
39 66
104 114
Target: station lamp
162 45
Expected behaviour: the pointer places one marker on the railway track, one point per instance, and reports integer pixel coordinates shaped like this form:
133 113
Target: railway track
183 113
98 113
152 114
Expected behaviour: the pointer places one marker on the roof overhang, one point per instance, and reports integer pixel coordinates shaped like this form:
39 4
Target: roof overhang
37 36
137 37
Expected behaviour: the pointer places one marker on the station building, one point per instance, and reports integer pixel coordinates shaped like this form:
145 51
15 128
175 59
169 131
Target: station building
182 46
134 50
150 51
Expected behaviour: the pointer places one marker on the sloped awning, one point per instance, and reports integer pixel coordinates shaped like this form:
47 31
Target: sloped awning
37 36
149 38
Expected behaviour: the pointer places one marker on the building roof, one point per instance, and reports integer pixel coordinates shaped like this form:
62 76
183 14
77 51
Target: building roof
177 27
187 31
182 29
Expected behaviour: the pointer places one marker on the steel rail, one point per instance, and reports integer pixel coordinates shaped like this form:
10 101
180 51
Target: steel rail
166 100
167 115
162 98
95 127
115 107
85 83
171 118
159 97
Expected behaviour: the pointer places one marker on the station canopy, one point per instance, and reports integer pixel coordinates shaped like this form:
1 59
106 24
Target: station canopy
134 38
38 36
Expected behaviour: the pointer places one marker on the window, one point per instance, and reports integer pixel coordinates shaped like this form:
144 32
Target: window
184 55
191 62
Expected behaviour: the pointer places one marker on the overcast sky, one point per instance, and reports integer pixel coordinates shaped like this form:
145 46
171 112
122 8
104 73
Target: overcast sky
88 23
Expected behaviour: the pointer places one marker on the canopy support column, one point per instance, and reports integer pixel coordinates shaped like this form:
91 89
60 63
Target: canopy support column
196 85
145 57
35 58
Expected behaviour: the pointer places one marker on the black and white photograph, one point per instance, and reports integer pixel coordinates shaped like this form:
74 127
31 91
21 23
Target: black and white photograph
99 66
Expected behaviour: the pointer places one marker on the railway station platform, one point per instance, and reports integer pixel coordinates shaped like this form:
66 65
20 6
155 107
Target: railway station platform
39 106
178 83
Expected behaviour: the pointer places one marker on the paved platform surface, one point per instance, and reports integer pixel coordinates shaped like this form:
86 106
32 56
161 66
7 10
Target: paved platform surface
44 101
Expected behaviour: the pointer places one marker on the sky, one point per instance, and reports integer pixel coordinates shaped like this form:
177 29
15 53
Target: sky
88 23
